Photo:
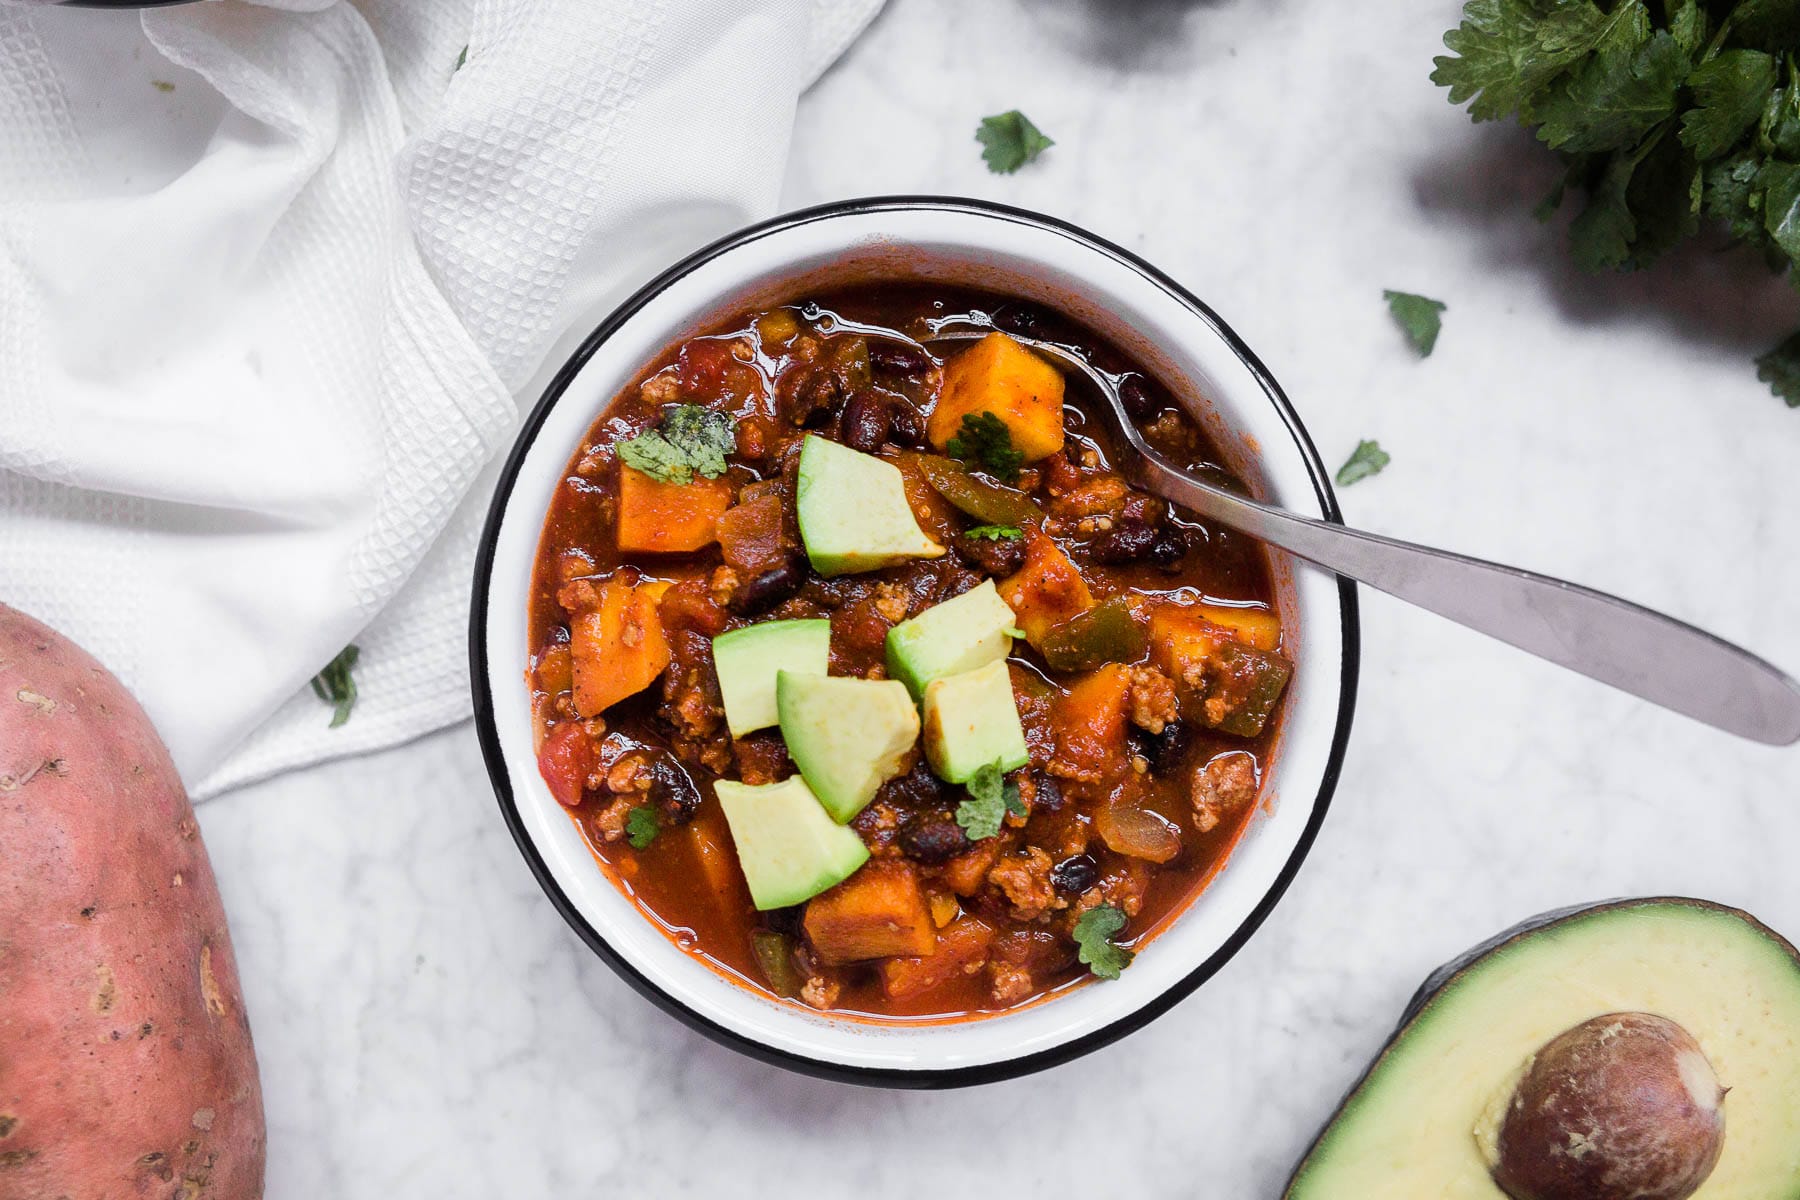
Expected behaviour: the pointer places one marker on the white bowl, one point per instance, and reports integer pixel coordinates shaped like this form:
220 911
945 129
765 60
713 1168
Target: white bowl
1152 319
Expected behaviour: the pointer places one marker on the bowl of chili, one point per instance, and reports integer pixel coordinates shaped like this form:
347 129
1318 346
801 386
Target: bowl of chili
846 702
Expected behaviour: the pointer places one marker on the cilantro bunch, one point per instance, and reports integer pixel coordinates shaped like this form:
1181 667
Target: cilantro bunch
1668 113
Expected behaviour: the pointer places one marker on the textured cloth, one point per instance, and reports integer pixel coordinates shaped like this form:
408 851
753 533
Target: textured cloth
274 280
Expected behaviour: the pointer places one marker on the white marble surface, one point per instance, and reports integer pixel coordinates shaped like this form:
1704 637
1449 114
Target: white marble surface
428 1027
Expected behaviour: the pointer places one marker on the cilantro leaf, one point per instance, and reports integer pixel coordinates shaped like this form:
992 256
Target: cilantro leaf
1730 92
1767 24
336 686
1780 186
690 440
1617 97
990 801
995 533
461 59
641 826
1009 140
1367 459
1506 51
1094 932
1780 369
1418 317
986 440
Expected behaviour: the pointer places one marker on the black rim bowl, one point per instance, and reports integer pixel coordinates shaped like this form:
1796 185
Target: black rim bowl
492 755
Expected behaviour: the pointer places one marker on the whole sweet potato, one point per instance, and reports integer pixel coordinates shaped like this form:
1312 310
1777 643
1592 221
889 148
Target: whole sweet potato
126 1068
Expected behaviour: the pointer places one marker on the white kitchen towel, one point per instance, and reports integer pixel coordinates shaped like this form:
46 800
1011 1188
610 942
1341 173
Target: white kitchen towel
274 278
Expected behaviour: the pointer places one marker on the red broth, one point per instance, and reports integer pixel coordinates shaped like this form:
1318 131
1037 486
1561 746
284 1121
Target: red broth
1147 747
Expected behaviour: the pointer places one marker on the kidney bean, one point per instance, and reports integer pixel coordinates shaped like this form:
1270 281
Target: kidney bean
1127 541
866 421
906 425
762 592
897 358
1134 394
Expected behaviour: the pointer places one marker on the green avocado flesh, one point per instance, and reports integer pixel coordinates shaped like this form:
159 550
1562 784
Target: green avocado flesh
747 660
853 512
971 721
789 847
1424 1122
847 736
962 633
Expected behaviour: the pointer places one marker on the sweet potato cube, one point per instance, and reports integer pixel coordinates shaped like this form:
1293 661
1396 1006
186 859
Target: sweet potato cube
1047 590
1258 627
998 375
669 517
1090 726
1183 643
965 873
618 646
962 949
1226 682
876 913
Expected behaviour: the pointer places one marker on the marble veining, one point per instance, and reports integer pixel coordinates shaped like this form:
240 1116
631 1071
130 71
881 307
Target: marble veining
428 1027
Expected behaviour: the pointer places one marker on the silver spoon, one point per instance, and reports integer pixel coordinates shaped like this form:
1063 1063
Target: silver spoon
1652 656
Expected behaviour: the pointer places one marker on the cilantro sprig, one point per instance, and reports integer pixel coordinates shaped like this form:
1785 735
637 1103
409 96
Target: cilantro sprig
336 686
642 826
994 533
1667 117
1094 932
1419 317
1009 140
1367 459
985 440
688 441
990 801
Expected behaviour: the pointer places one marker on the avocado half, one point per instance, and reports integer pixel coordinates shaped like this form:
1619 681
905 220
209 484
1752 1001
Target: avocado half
1422 1122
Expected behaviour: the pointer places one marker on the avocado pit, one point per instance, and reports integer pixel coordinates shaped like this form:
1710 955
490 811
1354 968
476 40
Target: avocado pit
1623 1106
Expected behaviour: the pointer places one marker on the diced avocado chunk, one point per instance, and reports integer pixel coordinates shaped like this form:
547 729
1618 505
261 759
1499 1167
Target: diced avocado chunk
788 845
853 511
747 660
847 736
962 633
971 721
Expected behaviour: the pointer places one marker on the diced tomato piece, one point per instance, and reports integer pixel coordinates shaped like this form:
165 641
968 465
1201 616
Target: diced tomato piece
566 760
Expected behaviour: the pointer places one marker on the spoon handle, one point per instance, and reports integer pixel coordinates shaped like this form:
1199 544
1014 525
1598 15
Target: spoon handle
1655 657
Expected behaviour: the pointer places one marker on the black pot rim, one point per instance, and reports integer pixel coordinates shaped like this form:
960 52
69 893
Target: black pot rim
488 735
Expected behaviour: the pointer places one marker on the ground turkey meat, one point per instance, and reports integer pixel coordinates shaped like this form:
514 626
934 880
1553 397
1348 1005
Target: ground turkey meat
609 822
1010 983
820 992
1153 703
1025 881
1223 786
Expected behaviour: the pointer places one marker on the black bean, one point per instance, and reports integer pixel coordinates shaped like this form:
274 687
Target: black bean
1135 396
1075 875
785 920
917 791
907 427
1163 750
897 358
1026 320
673 791
933 841
1049 795
997 557
1169 548
762 592
866 421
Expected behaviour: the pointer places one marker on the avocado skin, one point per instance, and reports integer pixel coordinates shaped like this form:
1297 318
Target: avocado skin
1448 973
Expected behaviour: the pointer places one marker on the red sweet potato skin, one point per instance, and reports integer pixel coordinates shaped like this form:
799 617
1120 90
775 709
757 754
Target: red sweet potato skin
126 1068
